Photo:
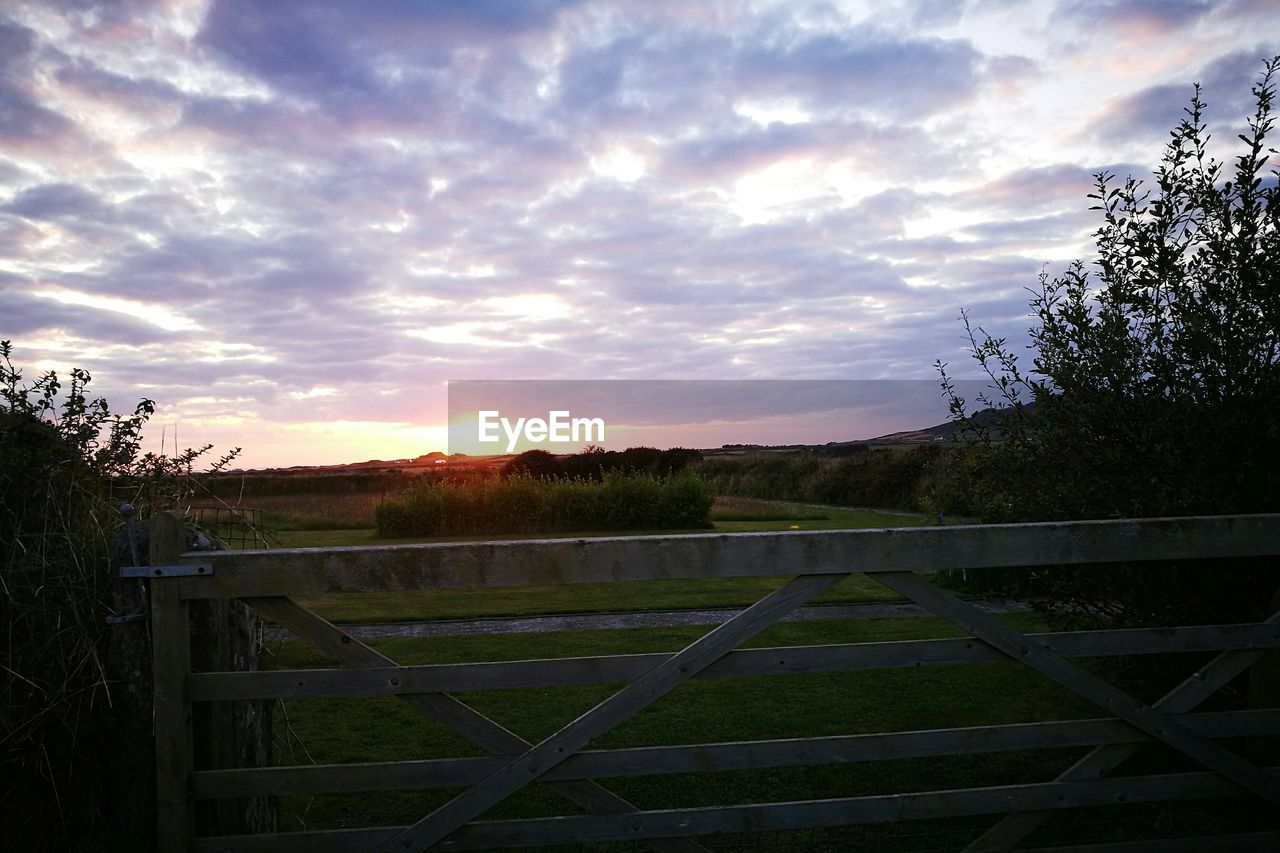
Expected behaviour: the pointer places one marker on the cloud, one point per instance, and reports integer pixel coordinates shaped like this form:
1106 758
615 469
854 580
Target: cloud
336 53
235 208
25 124
54 201
864 73
1133 18
1150 113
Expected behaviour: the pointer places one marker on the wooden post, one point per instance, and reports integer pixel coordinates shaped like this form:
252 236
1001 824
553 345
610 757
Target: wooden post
1264 692
131 756
171 657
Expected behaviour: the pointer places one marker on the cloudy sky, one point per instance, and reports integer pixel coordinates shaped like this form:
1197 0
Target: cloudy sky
291 223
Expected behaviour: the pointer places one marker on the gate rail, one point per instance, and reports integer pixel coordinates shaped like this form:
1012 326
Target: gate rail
268 580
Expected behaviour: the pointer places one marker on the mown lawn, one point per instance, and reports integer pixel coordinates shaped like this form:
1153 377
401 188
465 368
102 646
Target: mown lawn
727 709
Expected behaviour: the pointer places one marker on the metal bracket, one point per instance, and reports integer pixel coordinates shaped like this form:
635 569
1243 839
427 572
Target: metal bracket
166 571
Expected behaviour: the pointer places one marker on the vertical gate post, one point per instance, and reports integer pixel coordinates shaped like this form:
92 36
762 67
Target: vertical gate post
171 663
1264 692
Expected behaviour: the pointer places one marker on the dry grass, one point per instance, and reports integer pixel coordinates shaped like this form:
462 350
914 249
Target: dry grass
310 511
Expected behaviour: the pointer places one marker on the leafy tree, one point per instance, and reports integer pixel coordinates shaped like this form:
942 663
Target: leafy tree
533 463
1155 381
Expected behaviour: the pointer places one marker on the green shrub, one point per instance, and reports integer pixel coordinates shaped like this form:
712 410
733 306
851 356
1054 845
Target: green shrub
525 504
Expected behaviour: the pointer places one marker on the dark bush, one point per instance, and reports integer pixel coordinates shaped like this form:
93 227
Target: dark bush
885 478
595 463
65 463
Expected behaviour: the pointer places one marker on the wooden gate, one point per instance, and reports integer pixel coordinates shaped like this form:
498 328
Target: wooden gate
269 581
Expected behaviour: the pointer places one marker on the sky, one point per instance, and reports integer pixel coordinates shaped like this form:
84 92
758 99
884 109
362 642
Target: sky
290 224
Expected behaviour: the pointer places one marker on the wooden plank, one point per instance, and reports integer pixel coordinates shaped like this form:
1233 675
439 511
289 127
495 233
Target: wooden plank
359 840
555 561
457 716
786 660
1157 724
887 808
171 663
524 769
706 757
1099 762
1244 842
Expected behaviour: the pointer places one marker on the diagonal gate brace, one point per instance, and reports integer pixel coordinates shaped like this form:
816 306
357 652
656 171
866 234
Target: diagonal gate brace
457 716
1103 759
657 682
1159 725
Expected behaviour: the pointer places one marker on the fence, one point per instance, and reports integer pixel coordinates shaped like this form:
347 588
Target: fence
237 526
268 581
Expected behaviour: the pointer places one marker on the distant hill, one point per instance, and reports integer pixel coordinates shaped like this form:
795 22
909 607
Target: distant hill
927 435
939 432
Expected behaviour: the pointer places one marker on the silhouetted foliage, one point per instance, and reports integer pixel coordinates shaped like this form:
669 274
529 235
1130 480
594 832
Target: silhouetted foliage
534 463
1155 377
66 461
594 463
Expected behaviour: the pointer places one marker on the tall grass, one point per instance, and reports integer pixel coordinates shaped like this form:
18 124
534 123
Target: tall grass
524 504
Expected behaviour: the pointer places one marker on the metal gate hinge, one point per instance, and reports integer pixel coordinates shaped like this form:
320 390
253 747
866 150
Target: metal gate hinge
200 569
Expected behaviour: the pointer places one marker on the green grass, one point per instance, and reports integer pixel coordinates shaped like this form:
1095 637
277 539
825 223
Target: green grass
705 710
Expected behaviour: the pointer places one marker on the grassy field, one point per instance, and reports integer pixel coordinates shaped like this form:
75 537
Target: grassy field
346 730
